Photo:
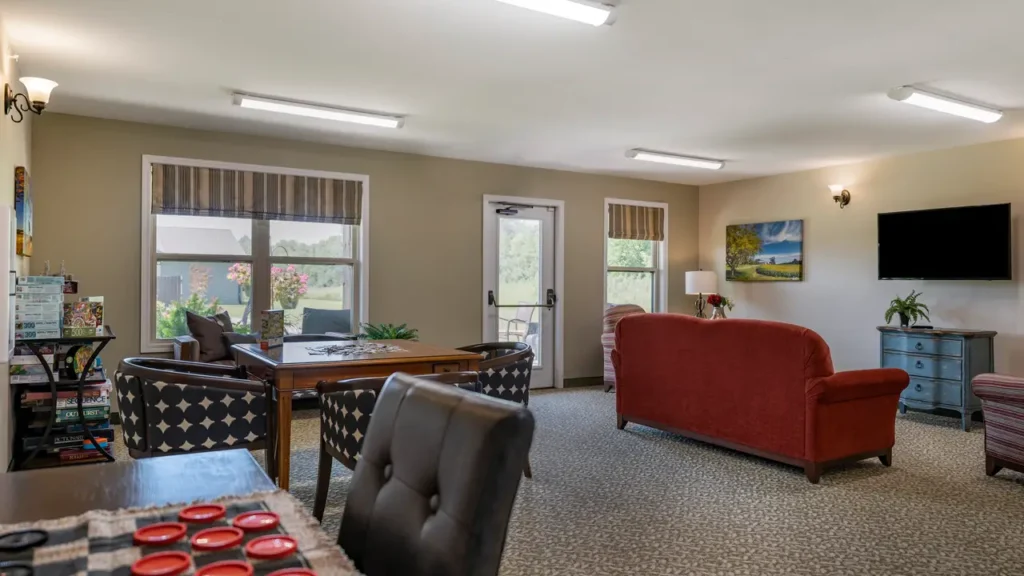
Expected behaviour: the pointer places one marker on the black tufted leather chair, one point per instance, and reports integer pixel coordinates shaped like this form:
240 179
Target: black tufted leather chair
176 407
433 490
505 374
345 409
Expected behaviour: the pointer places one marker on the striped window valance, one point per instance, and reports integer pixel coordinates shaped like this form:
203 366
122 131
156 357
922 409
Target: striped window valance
196 191
631 222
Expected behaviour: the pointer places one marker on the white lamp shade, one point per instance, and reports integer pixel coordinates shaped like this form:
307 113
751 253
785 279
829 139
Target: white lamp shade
38 88
701 282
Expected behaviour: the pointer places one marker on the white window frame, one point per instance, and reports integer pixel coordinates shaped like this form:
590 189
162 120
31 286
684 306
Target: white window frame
360 261
660 284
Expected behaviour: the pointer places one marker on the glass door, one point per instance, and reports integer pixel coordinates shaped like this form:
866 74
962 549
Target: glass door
520 282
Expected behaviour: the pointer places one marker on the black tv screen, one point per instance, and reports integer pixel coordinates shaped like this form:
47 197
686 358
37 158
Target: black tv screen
967 243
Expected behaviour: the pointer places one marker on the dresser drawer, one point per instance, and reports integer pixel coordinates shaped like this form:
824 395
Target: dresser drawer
933 392
925 366
923 345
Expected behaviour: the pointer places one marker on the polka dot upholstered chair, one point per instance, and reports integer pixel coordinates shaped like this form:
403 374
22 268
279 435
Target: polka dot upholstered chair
177 407
505 373
345 410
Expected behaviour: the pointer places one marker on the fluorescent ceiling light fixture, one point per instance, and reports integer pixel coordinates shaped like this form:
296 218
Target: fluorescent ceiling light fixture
584 11
317 111
663 158
918 97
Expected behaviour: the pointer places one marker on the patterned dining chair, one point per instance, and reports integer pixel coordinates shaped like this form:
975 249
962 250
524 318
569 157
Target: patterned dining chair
611 319
175 407
345 410
505 374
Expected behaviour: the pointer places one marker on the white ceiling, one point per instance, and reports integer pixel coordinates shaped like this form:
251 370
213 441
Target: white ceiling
770 86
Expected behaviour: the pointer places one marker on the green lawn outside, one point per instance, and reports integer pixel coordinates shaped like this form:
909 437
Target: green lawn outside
780 273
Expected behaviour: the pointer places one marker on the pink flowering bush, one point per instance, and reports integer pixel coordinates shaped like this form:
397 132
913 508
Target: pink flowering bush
288 285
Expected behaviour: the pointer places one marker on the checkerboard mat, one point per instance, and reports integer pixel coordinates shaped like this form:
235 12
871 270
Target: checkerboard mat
100 542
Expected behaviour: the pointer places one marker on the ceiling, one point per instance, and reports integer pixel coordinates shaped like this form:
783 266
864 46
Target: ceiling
770 87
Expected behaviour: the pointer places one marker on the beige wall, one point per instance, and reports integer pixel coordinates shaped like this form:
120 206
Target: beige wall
15 145
840 296
425 224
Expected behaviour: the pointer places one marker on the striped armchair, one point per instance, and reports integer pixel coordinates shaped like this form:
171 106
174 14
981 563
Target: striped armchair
611 318
1002 402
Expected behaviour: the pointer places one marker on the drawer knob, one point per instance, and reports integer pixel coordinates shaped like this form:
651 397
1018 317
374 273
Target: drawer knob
919 365
917 387
919 346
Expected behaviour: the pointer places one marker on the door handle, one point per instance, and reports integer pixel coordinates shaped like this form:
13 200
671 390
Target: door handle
552 299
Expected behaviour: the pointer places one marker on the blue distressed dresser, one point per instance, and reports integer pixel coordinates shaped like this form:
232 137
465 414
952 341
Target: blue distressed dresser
941 364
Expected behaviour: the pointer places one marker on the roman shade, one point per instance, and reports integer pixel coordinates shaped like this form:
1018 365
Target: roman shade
196 191
631 222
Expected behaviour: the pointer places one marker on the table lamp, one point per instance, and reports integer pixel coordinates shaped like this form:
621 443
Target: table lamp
700 283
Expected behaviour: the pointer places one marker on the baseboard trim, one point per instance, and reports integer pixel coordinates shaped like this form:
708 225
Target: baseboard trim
583 382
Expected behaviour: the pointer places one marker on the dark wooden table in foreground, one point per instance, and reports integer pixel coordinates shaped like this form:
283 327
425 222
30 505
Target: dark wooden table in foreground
71 490
296 366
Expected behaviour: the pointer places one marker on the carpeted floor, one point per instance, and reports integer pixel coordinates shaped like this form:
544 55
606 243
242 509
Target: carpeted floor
643 502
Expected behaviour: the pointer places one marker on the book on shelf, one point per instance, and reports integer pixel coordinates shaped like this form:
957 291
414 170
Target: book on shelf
97 377
93 426
57 289
64 440
41 280
67 403
89 390
30 360
70 415
80 454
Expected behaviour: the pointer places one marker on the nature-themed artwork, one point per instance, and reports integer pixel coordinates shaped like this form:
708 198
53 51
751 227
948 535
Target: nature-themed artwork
23 208
766 252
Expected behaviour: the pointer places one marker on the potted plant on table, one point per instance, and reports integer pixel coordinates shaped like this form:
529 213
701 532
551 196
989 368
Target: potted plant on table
718 305
388 332
908 309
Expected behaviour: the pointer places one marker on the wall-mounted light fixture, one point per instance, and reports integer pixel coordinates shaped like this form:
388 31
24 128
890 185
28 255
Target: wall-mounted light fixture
840 194
38 97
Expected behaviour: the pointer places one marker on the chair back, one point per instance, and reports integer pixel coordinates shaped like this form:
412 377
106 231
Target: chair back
505 370
174 407
524 313
433 491
346 407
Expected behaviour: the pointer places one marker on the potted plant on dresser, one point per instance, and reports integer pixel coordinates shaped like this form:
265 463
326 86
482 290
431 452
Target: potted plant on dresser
908 309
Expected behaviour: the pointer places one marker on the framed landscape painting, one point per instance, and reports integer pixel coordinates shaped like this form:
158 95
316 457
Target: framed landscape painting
765 252
23 209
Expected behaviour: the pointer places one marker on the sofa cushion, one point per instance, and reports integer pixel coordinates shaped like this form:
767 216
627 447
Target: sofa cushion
209 332
232 338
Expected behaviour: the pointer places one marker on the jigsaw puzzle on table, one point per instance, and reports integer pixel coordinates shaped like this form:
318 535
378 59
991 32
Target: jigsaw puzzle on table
262 534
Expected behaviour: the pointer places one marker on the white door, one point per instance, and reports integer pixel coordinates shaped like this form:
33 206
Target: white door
519 282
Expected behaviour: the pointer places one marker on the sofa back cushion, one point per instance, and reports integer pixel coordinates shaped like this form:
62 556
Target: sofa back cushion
742 381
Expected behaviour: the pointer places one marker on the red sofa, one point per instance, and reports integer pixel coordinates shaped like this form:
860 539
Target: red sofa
765 388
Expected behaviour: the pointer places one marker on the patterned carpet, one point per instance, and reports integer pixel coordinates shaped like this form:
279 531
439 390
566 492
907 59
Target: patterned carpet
643 502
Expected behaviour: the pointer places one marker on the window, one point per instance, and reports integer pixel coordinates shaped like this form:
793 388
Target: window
635 254
208 263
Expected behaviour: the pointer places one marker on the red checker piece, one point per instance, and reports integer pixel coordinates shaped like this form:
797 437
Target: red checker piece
162 564
226 568
293 572
219 538
271 547
160 534
202 513
257 521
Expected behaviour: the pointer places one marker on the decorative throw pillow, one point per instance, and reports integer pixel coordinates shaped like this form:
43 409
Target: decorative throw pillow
209 331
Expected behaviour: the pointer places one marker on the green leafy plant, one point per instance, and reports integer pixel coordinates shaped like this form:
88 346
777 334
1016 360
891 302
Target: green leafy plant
388 332
170 318
908 309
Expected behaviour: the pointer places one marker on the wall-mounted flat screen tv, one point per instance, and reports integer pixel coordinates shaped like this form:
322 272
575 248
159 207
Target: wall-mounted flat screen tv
964 243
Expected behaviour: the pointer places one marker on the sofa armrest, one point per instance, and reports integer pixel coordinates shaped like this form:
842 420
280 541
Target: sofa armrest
857 384
186 348
999 388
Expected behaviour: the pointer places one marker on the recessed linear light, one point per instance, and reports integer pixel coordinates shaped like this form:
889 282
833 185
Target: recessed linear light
317 111
663 158
585 11
918 97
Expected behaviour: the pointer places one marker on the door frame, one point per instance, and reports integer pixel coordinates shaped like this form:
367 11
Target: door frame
490 267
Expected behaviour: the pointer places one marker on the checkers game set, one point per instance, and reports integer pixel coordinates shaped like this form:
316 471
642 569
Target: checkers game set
265 534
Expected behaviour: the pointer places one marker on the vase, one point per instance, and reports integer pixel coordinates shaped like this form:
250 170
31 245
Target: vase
245 293
718 313
289 303
904 320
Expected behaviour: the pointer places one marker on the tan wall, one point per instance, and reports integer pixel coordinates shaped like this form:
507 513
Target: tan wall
15 145
425 224
841 297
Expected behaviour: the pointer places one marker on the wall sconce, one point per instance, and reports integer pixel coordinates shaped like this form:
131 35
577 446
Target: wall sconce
840 194
38 97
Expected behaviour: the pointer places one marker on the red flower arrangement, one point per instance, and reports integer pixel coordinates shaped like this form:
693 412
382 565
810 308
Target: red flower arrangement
715 300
